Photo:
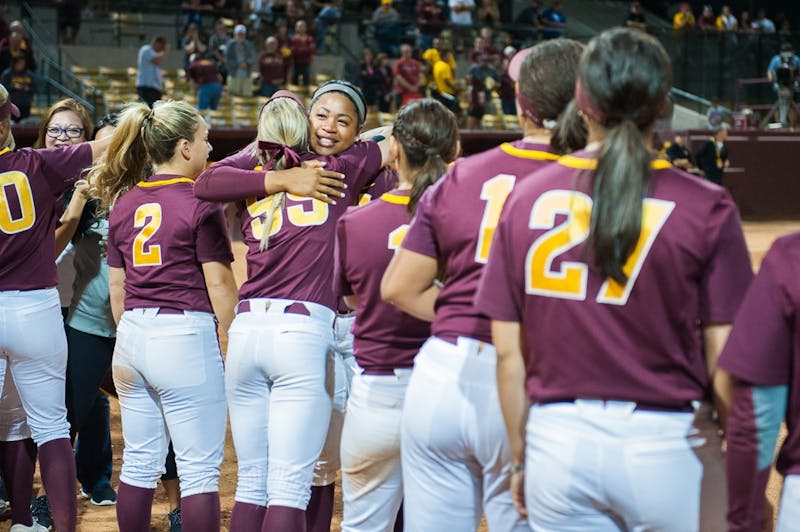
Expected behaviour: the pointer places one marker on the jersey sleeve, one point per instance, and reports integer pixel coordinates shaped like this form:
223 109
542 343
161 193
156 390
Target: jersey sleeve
728 272
341 284
498 291
759 348
360 164
62 166
421 236
114 256
211 234
232 178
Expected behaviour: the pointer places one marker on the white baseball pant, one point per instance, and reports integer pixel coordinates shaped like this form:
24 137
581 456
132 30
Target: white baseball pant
603 465
33 341
13 424
789 513
279 406
169 377
455 453
339 380
372 480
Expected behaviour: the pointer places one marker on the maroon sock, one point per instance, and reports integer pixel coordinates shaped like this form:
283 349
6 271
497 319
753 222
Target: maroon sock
201 512
284 519
18 464
57 465
133 508
398 522
246 517
320 508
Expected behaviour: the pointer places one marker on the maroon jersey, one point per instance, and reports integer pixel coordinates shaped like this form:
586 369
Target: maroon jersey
161 234
203 72
31 184
303 49
366 240
298 263
386 181
590 337
409 69
272 68
764 346
454 223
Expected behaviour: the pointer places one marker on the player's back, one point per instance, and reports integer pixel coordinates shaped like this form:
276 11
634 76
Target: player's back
461 213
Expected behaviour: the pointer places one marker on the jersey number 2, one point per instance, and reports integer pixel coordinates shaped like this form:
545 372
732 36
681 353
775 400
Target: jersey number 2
18 182
570 279
148 217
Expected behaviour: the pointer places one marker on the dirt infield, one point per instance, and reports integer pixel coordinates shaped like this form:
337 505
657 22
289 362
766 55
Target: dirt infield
103 519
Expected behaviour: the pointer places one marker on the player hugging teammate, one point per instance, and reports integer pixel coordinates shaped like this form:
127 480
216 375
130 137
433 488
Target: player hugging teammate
578 305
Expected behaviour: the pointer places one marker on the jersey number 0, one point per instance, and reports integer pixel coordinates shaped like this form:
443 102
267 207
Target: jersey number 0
17 183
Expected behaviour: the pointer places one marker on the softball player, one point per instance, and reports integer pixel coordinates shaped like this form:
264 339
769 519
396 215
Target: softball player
610 285
32 337
169 275
455 457
762 355
424 139
279 404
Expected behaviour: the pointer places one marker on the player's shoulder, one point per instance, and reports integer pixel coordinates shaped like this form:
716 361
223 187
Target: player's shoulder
784 254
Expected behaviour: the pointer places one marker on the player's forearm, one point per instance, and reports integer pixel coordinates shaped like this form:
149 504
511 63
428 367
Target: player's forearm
229 183
511 385
116 291
714 338
223 300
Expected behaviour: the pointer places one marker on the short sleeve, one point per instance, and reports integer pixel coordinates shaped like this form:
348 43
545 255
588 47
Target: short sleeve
211 234
759 348
341 284
421 237
728 272
498 295
360 164
62 166
114 256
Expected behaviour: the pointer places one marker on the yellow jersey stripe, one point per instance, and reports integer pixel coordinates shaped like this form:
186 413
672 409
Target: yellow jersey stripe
528 154
591 164
396 199
152 184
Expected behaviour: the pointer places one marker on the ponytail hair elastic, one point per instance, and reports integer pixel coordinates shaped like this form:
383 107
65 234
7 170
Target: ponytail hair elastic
274 151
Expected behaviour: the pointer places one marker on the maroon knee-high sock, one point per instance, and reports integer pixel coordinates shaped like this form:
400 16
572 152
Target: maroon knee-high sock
246 517
398 522
284 519
57 464
18 464
133 508
320 508
200 512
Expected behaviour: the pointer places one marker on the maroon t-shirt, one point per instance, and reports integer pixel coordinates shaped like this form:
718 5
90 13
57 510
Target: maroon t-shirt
764 346
385 182
203 72
587 336
303 49
366 240
454 223
272 68
410 70
31 184
299 261
161 234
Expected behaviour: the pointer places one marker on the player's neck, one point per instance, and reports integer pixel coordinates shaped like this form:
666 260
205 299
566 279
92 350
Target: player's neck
174 168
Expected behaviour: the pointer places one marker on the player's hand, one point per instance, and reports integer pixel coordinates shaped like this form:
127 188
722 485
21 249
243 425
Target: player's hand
518 493
82 188
768 519
313 181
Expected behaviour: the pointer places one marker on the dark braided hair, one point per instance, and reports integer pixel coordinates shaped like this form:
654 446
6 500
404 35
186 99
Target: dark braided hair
428 133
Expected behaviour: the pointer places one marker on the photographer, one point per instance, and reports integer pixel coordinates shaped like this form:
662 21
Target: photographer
783 74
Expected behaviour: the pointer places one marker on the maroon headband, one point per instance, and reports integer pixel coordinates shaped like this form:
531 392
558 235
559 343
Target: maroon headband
528 111
8 109
585 104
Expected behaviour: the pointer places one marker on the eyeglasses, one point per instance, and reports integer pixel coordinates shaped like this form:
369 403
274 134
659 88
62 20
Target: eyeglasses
71 132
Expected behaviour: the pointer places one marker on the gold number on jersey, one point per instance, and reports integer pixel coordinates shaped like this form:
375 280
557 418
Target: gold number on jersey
22 187
302 216
569 281
148 217
494 192
258 210
396 237
364 198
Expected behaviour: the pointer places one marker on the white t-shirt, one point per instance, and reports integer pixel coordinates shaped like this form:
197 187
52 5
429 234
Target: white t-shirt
464 18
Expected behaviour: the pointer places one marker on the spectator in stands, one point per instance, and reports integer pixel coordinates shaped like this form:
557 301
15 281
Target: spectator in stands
284 45
684 18
461 21
635 18
528 22
707 21
554 21
434 53
193 43
430 21
16 47
715 115
21 84
488 13
330 13
203 73
505 89
407 73
272 67
680 155
746 23
4 29
763 24
216 47
480 81
478 49
371 82
16 27
148 76
495 54
783 72
68 15
240 58
260 14
303 50
712 157
445 89
784 26
726 21
384 67
194 11
387 26
295 12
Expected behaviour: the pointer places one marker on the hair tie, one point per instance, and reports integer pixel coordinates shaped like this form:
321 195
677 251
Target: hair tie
431 152
274 151
149 116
